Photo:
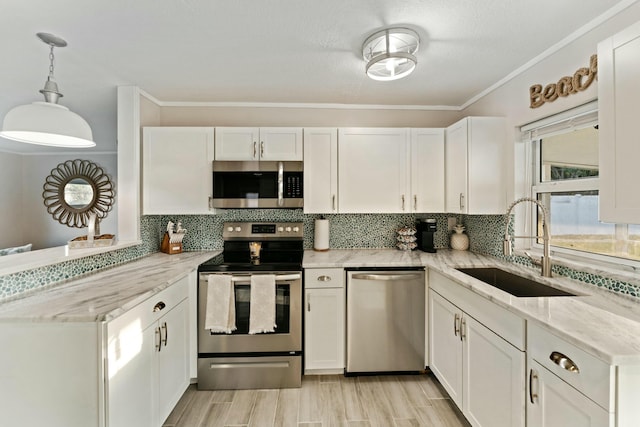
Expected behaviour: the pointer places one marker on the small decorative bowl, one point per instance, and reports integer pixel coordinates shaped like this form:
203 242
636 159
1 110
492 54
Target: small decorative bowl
406 231
406 239
407 246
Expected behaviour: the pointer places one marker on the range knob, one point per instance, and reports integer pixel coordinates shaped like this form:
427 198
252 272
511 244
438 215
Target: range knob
288 229
296 229
280 229
238 229
229 229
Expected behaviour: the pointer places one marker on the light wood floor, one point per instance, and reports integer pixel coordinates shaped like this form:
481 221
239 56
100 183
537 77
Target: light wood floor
322 401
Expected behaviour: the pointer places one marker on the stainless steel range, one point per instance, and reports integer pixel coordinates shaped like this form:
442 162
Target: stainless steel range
240 358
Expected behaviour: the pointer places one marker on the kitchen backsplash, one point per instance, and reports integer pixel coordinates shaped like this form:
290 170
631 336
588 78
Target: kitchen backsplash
348 231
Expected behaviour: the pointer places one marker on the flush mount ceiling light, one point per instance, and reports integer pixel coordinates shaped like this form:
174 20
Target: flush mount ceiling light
47 123
390 53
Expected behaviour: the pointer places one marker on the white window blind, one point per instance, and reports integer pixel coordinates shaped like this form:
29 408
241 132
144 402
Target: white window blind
576 118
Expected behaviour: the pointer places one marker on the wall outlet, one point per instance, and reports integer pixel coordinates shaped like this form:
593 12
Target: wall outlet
451 222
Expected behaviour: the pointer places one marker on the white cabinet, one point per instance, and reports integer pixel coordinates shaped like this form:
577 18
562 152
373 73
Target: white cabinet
373 170
97 374
475 166
466 355
427 170
324 320
320 170
176 170
272 143
618 102
554 403
148 359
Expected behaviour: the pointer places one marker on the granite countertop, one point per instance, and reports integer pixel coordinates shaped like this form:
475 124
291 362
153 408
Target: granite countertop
106 294
604 323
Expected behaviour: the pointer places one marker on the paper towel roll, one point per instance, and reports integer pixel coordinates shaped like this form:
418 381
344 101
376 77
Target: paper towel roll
321 235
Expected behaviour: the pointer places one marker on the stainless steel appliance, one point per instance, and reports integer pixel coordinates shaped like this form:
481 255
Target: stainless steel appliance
257 184
385 320
267 360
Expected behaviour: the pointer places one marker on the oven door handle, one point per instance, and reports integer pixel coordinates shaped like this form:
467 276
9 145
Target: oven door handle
279 278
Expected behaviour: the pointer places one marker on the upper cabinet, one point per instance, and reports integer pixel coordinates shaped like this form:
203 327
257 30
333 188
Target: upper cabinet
372 170
320 170
427 170
176 170
248 143
619 99
475 175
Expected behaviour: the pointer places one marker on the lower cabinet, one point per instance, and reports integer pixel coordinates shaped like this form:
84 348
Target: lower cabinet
553 402
148 359
127 372
324 316
482 372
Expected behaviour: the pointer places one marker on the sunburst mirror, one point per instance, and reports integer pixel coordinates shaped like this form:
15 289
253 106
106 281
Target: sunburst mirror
75 189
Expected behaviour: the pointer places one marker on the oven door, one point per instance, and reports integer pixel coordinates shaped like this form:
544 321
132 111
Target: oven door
288 332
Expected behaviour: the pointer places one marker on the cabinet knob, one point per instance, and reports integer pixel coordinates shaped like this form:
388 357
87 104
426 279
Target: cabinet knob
159 306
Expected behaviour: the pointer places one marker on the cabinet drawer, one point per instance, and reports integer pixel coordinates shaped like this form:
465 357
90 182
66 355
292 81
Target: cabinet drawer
501 321
324 278
144 315
594 378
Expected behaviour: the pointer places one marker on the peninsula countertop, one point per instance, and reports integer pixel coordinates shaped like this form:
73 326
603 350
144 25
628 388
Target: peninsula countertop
106 294
602 322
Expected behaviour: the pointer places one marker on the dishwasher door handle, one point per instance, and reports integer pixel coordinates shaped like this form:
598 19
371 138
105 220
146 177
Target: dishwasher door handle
386 277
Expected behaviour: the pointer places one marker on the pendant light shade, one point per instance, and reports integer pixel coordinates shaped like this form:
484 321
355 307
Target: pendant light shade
390 53
47 123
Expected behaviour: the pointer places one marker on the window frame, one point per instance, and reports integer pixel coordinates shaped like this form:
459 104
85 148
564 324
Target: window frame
582 184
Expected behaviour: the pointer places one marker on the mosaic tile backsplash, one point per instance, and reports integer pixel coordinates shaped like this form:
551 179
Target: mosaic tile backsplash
348 231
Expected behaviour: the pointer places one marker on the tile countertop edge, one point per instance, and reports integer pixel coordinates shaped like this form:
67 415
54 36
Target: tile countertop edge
75 300
601 322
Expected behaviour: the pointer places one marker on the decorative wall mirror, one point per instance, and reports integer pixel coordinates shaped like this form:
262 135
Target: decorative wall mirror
75 189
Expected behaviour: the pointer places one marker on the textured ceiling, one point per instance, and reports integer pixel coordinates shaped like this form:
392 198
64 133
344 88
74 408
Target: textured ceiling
274 51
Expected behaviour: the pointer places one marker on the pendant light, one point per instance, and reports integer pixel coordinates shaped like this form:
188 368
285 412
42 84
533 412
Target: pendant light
390 53
47 123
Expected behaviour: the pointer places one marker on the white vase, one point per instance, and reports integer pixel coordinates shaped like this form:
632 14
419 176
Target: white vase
459 240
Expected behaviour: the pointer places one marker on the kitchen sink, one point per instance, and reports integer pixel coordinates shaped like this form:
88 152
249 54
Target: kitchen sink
512 283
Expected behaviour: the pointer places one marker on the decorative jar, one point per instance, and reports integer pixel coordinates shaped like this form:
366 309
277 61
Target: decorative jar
459 240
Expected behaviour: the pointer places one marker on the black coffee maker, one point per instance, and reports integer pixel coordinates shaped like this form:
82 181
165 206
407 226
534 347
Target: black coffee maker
425 230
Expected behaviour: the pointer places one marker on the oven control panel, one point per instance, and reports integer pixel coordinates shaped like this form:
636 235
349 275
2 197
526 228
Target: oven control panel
262 230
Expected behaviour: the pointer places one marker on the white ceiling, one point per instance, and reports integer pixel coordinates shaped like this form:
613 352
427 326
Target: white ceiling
269 51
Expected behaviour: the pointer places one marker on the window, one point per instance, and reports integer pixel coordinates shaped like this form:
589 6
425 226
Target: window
565 180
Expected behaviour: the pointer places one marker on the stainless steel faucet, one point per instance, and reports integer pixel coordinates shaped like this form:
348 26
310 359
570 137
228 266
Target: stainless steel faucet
545 262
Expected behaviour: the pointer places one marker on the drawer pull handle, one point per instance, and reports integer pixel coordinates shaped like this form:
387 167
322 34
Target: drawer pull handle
456 327
159 306
324 278
564 362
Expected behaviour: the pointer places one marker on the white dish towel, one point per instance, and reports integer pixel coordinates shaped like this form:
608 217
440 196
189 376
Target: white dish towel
220 311
262 317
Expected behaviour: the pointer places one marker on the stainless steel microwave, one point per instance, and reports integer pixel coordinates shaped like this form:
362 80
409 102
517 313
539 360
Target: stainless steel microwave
257 184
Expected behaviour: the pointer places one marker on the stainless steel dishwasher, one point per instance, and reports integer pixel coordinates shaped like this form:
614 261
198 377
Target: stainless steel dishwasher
385 320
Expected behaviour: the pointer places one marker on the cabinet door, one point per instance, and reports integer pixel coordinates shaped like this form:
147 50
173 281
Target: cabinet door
490 360
281 144
173 358
373 170
445 345
427 170
324 329
486 176
618 99
131 373
456 167
320 170
237 143
554 403
176 170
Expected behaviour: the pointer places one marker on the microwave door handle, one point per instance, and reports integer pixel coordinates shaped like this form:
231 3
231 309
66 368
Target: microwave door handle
280 184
